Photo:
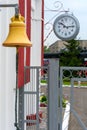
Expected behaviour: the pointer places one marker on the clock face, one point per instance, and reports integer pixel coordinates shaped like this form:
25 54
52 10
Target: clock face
66 27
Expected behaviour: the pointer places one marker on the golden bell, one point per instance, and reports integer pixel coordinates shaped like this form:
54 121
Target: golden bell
17 36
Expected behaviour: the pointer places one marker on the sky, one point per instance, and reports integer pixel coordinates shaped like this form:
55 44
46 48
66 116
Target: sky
77 7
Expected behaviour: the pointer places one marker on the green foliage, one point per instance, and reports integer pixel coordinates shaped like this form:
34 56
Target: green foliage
43 81
69 56
46 49
63 103
43 99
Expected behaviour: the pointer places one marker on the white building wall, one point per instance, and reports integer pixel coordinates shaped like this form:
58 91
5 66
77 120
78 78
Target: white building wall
8 61
7 71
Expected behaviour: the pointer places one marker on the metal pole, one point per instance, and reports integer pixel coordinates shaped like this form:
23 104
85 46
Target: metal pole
53 94
11 5
8 5
16 93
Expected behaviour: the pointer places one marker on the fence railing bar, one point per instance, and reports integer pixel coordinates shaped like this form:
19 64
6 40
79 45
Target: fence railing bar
30 92
79 119
36 67
73 68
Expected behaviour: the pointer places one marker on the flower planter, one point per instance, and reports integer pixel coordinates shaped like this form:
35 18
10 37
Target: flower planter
43 105
33 117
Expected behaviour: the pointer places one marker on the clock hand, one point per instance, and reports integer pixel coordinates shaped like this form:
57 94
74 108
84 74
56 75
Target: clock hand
70 26
62 24
65 25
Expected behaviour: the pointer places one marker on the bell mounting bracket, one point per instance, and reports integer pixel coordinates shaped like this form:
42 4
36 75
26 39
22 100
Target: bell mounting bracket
16 6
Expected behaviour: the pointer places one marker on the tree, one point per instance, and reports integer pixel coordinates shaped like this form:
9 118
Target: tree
46 49
69 56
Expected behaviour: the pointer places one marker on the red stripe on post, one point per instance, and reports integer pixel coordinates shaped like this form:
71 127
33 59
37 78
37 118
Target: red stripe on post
21 52
28 25
42 34
20 67
22 7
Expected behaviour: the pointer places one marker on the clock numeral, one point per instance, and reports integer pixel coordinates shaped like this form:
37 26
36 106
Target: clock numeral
58 26
65 19
65 34
69 33
59 30
61 20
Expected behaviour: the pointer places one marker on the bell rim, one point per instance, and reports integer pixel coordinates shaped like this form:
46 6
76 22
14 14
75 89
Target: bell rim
16 45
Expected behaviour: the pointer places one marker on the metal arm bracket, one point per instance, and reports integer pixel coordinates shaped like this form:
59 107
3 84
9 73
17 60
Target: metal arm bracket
11 5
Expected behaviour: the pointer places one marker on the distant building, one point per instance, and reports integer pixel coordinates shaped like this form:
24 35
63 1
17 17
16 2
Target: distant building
58 45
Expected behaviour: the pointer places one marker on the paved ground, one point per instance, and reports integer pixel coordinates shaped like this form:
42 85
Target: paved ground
80 106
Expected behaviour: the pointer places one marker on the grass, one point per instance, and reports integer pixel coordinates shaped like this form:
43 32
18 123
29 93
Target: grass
67 82
75 83
43 81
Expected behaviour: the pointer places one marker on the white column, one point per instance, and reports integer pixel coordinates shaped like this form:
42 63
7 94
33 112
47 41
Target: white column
7 71
2 70
36 33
